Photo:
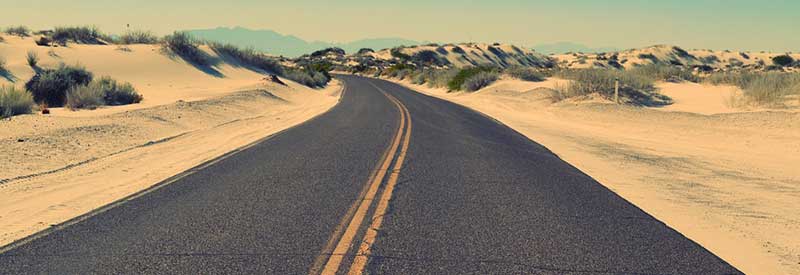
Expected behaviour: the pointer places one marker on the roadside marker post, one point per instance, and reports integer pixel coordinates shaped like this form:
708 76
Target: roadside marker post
616 90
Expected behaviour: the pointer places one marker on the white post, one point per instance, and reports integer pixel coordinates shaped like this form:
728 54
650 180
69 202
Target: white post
616 90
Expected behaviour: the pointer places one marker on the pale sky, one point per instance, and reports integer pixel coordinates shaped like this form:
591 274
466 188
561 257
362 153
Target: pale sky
770 25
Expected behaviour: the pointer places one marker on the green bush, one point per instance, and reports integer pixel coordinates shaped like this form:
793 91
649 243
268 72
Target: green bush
50 86
21 31
14 101
479 81
783 60
186 47
634 88
249 57
138 37
524 73
457 82
32 58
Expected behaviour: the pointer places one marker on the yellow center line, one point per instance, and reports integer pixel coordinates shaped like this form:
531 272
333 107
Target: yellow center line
344 244
365 250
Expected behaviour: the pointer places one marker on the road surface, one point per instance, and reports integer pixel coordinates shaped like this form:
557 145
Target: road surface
389 181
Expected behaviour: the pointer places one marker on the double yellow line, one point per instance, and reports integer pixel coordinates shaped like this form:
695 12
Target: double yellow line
334 262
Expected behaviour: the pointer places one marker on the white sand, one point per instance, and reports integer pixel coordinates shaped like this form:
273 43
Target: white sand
59 166
729 181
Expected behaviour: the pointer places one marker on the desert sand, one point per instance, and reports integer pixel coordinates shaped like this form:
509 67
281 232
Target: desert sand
59 166
728 181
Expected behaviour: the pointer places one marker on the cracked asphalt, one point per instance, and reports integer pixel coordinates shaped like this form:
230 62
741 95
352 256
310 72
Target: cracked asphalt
474 197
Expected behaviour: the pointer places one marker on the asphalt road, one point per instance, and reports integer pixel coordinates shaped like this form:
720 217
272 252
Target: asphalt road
469 196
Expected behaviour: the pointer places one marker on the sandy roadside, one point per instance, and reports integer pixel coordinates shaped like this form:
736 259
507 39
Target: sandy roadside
727 181
55 168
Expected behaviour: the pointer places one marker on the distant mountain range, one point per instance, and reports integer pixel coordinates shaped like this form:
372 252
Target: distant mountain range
291 46
288 45
563 47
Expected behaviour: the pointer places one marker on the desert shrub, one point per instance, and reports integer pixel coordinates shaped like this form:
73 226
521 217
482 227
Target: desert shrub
3 70
84 97
524 73
429 57
711 59
104 91
138 37
50 86
479 81
440 78
310 78
324 52
457 49
457 82
14 101
634 89
783 60
32 58
397 53
186 47
399 70
21 31
80 34
116 93
767 89
249 57
2 39
663 72
364 51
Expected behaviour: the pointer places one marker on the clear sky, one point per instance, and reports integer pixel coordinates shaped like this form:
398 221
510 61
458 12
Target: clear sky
772 25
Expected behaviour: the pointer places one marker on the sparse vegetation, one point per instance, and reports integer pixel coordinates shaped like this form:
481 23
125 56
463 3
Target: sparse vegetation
664 72
248 57
21 31
50 86
185 46
525 73
760 89
33 59
634 88
138 37
105 91
457 82
364 51
14 101
80 34
480 81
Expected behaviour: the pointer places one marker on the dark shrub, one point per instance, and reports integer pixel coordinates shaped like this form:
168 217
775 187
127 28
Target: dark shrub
458 49
33 59
50 86
105 91
783 60
324 52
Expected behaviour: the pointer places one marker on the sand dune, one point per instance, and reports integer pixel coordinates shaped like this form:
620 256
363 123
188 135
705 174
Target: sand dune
728 181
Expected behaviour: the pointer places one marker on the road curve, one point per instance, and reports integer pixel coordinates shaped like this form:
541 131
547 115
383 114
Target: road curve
360 190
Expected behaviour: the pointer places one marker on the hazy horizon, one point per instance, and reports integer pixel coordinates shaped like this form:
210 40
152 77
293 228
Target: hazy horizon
713 24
